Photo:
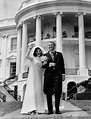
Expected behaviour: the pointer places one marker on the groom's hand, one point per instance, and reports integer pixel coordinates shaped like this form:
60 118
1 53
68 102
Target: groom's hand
52 64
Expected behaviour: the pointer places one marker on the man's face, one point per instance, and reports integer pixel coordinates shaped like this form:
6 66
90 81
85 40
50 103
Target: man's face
51 46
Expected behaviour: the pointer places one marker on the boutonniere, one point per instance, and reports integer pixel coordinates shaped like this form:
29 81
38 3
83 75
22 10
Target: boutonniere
56 53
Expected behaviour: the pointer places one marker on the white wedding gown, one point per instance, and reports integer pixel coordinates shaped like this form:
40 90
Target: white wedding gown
34 97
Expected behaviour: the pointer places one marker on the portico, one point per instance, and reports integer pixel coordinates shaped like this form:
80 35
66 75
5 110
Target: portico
59 41
43 24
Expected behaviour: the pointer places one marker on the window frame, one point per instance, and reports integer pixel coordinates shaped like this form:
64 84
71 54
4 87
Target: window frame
12 73
11 45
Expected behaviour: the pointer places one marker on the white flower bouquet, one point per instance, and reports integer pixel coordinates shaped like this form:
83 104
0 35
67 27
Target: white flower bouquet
44 60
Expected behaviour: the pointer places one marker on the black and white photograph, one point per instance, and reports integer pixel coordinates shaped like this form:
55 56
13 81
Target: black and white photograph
45 59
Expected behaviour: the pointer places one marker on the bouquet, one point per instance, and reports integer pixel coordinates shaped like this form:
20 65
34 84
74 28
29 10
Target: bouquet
44 60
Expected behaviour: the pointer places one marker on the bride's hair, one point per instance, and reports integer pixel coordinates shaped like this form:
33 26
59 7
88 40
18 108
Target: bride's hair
35 52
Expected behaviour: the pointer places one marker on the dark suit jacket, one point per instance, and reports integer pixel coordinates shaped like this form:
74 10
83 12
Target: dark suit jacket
53 76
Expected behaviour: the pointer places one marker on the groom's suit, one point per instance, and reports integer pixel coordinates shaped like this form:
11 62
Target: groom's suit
53 79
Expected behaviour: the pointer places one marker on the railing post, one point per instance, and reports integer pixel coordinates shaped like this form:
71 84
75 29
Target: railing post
4 98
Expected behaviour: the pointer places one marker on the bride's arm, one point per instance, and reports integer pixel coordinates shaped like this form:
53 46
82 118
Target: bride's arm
28 53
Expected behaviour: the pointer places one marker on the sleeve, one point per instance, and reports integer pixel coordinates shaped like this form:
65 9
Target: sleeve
63 66
27 60
27 63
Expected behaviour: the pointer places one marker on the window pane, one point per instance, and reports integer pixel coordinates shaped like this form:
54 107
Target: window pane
13 43
12 69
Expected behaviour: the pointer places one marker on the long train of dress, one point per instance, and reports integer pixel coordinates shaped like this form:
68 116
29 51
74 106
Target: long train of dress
34 97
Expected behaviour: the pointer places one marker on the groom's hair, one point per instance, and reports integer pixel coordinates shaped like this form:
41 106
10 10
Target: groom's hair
53 43
35 52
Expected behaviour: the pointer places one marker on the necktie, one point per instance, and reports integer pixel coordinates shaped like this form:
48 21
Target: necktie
52 55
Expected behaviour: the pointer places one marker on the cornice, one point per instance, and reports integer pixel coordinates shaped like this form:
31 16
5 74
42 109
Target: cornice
41 5
11 57
8 27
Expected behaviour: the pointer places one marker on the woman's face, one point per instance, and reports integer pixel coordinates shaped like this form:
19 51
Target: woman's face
38 52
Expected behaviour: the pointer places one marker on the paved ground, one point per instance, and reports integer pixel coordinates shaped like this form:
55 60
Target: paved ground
67 110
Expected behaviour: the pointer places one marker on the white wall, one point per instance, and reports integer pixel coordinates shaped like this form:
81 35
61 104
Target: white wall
5 47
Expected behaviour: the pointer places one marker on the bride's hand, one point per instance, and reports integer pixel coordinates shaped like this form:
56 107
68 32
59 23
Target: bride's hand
31 46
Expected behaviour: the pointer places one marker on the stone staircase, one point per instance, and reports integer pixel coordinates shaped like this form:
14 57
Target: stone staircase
8 107
6 93
9 98
68 112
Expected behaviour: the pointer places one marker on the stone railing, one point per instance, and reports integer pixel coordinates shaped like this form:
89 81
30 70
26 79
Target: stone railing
67 72
71 71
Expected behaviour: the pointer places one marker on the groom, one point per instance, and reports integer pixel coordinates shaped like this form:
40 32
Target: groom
53 77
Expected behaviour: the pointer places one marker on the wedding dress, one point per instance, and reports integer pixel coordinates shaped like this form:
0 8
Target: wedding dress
34 97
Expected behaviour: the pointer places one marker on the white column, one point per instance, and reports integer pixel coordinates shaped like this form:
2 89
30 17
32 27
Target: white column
18 62
24 46
82 59
4 56
38 31
59 32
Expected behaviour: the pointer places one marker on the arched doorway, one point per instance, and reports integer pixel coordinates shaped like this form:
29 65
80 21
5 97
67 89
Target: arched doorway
24 88
71 89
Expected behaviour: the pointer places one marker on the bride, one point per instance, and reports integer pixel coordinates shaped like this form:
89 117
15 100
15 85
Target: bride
34 98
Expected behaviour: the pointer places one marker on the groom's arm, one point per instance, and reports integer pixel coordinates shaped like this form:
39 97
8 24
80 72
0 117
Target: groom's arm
63 67
60 65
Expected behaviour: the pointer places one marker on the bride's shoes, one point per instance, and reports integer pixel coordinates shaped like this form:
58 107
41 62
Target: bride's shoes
32 113
35 113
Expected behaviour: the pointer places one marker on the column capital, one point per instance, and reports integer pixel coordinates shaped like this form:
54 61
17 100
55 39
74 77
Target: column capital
37 16
24 22
5 36
19 26
58 13
80 13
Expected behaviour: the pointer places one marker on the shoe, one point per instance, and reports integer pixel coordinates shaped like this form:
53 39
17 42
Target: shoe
32 113
40 112
58 112
50 113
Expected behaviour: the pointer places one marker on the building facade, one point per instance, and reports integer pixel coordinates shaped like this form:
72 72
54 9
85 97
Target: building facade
67 23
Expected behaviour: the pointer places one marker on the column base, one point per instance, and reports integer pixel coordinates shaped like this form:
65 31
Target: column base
64 88
82 71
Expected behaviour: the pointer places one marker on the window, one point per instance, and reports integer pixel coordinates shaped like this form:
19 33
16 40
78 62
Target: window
13 43
54 29
76 31
12 69
75 28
